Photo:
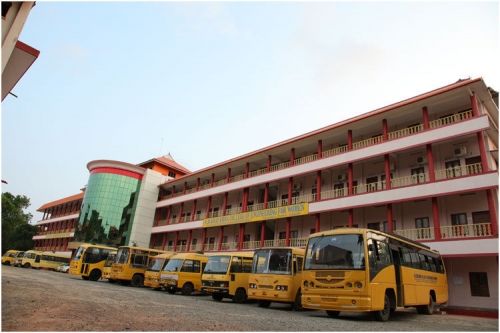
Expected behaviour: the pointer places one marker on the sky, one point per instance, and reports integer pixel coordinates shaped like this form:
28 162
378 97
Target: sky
207 82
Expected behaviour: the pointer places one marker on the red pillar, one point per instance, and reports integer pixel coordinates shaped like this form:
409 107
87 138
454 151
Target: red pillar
349 140
190 236
387 169
228 175
350 179
209 206
266 195
318 185
221 237
164 241
169 214
268 167
317 225
181 219
288 227
292 157
350 220
290 187
320 149
244 201
430 163
247 169
176 240
157 217
193 211
390 226
425 117
241 235
212 181
385 130
262 233
493 212
435 219
224 203
203 237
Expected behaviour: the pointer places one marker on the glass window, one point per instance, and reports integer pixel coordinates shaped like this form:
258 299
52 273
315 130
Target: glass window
335 252
217 265
272 261
379 255
479 284
173 265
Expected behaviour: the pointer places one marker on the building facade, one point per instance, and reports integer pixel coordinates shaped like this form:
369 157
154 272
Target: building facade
424 168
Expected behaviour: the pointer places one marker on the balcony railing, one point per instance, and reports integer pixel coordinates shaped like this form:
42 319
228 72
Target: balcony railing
412 130
459 171
466 230
417 234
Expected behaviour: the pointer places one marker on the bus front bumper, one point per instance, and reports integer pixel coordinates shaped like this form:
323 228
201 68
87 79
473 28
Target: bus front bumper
336 303
271 295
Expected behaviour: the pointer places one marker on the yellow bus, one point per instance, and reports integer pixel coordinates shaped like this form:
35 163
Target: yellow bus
88 261
18 259
31 259
130 264
276 276
365 270
156 264
106 270
51 260
9 257
183 272
226 275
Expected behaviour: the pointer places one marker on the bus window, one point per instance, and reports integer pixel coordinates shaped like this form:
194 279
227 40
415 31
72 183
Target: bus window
423 262
379 255
247 265
37 258
191 266
300 262
122 256
140 260
235 265
432 264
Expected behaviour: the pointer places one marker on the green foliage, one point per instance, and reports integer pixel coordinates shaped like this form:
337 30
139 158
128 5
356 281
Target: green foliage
17 233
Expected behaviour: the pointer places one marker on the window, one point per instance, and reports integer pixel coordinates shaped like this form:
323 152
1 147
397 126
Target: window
418 175
371 184
236 265
300 262
453 169
479 284
422 226
171 174
282 235
191 266
458 221
379 256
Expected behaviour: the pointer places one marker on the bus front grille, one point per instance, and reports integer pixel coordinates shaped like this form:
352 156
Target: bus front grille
330 276
265 286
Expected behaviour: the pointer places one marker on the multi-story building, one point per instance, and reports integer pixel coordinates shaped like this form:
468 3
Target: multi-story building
424 168
116 207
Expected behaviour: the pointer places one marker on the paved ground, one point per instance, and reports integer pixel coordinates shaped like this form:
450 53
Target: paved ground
48 301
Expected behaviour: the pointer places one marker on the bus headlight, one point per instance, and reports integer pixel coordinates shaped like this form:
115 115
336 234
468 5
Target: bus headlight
358 284
348 285
306 283
281 288
252 286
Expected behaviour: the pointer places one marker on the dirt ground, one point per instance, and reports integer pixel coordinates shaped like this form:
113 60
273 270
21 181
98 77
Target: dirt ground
35 300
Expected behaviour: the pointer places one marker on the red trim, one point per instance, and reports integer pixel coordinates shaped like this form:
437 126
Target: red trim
117 171
387 108
472 313
469 255
28 49
493 212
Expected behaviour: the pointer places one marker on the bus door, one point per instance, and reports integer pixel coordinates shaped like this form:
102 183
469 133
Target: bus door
396 259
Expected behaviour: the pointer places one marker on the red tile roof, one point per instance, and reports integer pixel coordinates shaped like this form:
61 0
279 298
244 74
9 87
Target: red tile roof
61 201
167 161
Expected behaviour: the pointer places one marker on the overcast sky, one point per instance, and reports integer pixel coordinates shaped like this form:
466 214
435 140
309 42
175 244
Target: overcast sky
211 81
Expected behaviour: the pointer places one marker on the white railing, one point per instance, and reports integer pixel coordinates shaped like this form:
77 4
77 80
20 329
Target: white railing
466 230
298 242
250 245
269 243
335 193
280 166
410 180
368 142
405 132
306 159
335 151
229 246
459 171
450 119
416 234
257 172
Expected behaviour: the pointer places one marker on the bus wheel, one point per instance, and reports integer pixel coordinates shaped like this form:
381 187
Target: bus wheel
187 289
85 277
427 309
297 305
95 275
383 315
27 265
137 281
240 295
217 297
264 304
333 314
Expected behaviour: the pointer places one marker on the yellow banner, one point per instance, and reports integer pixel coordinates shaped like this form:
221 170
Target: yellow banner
258 215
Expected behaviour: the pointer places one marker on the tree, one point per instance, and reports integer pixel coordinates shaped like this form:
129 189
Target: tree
17 233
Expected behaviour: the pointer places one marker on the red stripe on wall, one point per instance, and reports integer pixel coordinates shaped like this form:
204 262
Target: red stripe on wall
117 171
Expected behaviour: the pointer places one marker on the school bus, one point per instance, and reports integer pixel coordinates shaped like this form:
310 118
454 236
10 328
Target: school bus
130 264
276 276
18 259
183 272
9 257
51 260
156 264
31 259
88 261
365 270
106 270
226 276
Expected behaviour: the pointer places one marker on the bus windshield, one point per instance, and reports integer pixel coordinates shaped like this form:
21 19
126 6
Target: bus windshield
109 261
122 256
79 253
217 265
272 261
173 265
156 264
335 252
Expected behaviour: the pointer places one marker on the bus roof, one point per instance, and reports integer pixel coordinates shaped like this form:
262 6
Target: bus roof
298 250
342 231
189 255
55 254
87 245
34 251
234 253
165 255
